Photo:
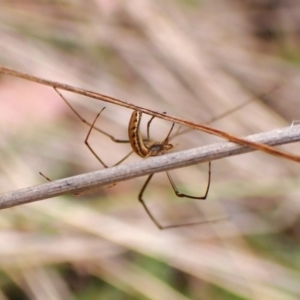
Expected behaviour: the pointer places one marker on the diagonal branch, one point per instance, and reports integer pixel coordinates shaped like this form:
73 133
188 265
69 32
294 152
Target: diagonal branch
200 127
94 180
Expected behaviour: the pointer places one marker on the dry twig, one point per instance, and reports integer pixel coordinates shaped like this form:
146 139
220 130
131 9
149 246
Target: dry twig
200 127
151 165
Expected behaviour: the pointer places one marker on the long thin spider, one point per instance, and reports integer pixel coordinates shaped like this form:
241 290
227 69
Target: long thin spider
150 148
144 148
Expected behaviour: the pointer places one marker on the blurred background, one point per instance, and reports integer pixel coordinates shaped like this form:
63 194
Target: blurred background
194 59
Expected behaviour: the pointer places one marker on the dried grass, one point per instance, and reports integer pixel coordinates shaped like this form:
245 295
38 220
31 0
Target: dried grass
192 59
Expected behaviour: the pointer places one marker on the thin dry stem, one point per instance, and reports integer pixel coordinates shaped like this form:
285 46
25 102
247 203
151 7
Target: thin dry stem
200 127
94 180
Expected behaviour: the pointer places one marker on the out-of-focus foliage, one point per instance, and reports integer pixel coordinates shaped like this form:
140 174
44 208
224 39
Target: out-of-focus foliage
193 59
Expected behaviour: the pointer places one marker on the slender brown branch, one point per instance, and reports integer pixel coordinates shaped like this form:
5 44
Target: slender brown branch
147 166
204 128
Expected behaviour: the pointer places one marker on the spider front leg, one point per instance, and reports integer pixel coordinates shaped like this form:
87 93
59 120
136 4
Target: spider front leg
83 191
89 191
92 127
151 216
140 197
148 126
181 195
88 123
115 140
